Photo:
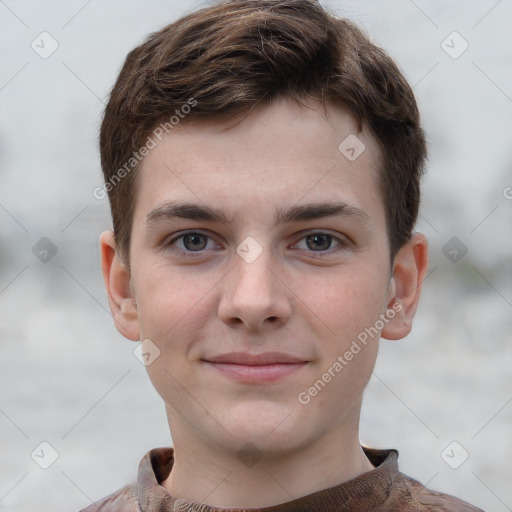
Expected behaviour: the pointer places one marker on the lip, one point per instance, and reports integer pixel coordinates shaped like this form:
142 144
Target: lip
254 368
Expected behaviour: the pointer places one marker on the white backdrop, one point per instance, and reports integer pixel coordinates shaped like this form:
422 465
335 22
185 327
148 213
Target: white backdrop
69 379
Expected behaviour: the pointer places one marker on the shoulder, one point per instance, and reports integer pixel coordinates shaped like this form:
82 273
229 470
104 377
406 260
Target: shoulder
420 499
123 500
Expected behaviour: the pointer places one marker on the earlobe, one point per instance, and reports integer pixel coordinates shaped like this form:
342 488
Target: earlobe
117 283
409 269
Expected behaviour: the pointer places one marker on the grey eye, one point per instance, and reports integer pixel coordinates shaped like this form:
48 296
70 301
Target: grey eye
319 241
194 241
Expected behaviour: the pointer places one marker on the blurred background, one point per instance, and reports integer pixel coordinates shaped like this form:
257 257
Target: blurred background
69 380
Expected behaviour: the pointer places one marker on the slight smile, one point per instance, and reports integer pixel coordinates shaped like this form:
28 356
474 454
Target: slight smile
256 368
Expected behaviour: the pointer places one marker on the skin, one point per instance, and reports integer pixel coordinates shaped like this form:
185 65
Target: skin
287 300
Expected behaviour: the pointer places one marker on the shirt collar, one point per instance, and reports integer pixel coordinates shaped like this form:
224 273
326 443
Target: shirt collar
365 491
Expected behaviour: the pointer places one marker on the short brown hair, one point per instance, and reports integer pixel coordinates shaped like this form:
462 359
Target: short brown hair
236 53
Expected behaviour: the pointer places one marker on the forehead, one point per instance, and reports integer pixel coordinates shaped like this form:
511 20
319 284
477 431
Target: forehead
281 153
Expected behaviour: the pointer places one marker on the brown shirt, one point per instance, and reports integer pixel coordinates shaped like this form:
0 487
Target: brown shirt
382 489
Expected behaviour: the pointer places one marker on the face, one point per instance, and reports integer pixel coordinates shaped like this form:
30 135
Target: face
258 256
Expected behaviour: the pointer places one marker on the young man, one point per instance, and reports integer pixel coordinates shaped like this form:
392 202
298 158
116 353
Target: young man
262 160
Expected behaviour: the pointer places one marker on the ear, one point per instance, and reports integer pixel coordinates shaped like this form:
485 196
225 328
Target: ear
117 282
409 269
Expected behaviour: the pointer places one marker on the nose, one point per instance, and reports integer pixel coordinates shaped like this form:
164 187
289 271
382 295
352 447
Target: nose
255 294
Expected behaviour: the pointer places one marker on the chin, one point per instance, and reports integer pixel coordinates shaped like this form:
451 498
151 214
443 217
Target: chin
272 428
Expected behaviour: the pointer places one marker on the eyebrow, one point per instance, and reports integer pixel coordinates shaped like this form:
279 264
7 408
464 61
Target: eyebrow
310 211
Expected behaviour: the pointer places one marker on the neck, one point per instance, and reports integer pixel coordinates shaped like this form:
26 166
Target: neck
206 473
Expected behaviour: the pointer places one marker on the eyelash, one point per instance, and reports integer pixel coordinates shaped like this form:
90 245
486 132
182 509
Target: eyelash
168 246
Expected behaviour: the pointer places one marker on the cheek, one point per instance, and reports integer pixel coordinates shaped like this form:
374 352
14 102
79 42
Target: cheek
174 306
168 299
348 303
173 309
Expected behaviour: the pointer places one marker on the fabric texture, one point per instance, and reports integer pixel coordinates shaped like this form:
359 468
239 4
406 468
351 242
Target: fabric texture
382 489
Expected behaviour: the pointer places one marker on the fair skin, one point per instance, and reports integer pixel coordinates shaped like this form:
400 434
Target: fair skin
303 296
